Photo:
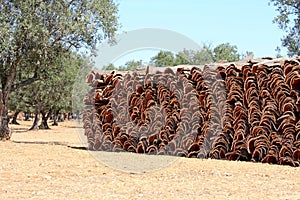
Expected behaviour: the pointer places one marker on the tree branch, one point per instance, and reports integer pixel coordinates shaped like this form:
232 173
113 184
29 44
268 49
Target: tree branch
25 82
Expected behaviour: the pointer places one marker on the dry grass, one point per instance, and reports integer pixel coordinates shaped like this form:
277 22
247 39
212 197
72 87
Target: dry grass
53 164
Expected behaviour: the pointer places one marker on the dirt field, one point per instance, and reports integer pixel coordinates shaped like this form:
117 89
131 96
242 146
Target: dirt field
53 164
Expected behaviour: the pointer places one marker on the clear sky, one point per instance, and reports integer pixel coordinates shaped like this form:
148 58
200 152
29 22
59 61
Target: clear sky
244 23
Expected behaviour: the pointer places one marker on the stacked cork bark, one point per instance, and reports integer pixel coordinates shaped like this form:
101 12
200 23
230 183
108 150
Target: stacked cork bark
235 111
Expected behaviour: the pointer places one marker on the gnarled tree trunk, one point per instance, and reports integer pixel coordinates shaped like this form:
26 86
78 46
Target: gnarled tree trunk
27 116
36 119
14 119
5 133
55 118
45 117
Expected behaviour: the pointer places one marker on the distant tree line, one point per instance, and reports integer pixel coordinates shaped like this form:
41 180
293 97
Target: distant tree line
223 52
129 66
205 55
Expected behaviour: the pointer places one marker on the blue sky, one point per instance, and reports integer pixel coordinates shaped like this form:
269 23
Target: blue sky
244 23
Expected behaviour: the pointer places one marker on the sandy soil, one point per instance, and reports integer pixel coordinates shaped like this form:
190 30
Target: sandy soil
53 164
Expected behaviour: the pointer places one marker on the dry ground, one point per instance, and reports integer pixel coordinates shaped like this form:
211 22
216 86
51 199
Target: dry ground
52 164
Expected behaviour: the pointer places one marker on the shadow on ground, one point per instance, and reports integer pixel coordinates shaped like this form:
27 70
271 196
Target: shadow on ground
51 143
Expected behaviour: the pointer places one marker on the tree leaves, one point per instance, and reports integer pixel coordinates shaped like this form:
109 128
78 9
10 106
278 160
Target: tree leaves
288 20
226 52
163 58
206 55
34 32
54 91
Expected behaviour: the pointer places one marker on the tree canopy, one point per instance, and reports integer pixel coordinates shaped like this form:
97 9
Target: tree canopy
226 52
288 20
200 57
34 33
163 58
129 66
207 54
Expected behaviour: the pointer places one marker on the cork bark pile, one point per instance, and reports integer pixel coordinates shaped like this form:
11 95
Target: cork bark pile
246 111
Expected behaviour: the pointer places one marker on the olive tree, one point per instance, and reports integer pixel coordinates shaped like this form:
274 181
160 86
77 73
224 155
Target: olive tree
33 33
288 20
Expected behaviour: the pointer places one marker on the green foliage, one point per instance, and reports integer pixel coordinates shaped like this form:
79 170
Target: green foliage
53 92
183 57
288 20
109 67
226 52
129 66
21 101
163 58
192 57
132 65
205 55
79 87
33 33
59 86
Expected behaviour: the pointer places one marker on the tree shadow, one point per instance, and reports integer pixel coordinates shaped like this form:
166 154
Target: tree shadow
52 143
19 130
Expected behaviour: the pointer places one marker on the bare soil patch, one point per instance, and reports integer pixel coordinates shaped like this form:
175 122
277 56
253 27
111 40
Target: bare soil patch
54 164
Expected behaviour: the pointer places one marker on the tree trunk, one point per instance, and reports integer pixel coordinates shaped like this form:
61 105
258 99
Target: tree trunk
36 119
55 117
78 115
27 116
60 117
14 119
5 133
44 123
